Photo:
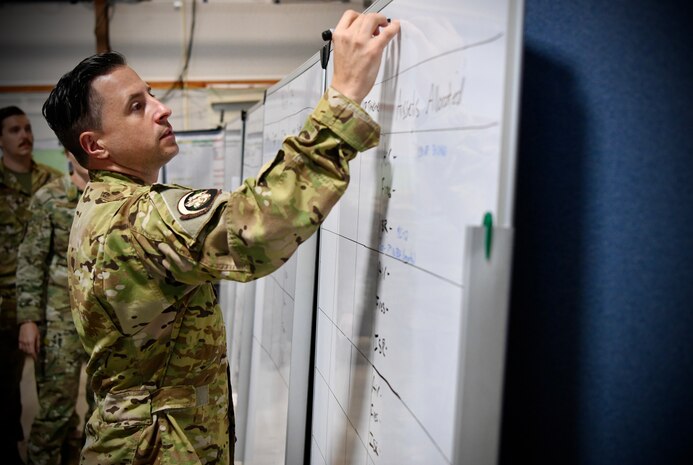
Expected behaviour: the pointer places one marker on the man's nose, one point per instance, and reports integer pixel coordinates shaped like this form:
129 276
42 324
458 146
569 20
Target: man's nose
163 112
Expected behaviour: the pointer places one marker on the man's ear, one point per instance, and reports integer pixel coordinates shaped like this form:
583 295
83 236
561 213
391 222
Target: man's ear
91 144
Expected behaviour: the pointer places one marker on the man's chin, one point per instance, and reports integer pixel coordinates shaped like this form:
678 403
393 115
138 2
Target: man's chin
170 154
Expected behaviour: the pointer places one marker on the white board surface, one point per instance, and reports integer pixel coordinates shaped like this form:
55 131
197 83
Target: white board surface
391 256
242 331
233 164
284 302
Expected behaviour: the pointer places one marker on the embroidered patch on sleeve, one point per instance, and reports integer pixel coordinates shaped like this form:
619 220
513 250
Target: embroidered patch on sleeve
196 203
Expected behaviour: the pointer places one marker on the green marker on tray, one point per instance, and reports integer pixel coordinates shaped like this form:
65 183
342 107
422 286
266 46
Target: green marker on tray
488 224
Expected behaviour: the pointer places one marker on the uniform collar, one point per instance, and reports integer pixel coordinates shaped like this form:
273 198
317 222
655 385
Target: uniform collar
112 176
71 190
7 178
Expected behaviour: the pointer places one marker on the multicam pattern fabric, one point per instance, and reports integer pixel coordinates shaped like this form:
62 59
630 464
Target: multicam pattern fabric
14 216
142 261
43 298
42 257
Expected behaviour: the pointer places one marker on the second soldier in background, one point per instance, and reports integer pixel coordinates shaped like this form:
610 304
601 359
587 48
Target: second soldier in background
47 332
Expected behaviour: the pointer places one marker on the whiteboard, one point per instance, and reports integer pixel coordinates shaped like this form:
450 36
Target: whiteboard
393 309
233 164
200 161
244 313
284 302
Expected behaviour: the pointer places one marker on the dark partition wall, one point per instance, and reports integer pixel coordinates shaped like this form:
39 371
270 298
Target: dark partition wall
600 351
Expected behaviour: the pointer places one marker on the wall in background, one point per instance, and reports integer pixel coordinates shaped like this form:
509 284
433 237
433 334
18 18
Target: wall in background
42 40
237 42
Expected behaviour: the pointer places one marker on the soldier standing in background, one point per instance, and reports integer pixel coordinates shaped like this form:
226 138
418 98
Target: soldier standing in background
46 330
143 257
20 177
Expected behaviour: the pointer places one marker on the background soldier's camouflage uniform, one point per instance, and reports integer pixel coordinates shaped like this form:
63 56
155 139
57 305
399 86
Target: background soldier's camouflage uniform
42 297
14 216
142 262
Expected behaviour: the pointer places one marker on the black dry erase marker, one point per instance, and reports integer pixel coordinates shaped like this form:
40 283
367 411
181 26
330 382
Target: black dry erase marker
327 34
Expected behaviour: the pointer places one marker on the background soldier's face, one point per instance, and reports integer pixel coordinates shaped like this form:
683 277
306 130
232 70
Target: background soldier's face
16 138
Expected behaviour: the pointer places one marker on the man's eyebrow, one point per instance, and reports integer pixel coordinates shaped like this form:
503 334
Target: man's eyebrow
136 95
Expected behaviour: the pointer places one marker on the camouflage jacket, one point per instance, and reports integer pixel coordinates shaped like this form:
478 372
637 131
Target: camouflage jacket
14 216
42 257
142 260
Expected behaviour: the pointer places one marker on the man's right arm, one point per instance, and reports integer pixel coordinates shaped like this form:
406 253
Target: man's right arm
249 233
254 230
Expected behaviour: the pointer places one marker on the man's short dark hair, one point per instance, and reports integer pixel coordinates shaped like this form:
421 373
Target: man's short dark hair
73 107
6 112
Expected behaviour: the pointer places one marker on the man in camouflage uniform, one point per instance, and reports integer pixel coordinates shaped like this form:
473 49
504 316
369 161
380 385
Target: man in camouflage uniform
20 177
143 257
44 302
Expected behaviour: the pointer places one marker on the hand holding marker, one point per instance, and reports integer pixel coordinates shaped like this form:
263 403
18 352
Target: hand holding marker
327 34
357 45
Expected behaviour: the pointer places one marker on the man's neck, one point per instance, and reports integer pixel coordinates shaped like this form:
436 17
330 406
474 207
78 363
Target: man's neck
17 165
107 165
78 180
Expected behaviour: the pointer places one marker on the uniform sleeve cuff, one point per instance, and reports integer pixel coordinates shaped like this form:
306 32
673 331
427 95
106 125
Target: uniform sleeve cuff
348 120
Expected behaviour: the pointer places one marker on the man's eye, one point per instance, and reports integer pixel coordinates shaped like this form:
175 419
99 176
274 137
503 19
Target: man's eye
136 106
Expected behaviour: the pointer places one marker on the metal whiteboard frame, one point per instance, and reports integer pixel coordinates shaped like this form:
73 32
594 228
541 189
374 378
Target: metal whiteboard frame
487 278
483 328
511 116
305 66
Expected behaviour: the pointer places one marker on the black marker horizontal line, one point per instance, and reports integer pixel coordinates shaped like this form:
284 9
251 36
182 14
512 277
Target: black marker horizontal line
269 355
460 128
423 270
289 116
413 415
341 407
279 285
449 52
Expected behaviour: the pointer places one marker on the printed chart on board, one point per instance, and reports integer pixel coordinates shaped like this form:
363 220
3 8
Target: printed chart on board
200 161
287 106
252 146
390 285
